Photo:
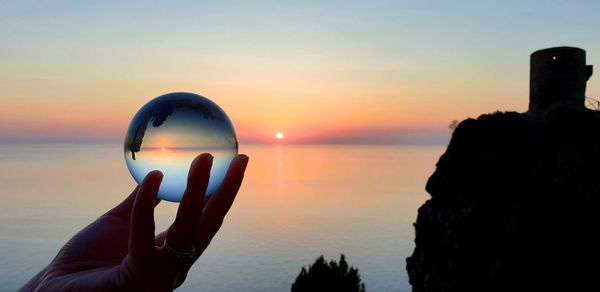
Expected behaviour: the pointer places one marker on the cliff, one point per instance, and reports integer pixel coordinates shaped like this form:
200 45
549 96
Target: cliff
514 206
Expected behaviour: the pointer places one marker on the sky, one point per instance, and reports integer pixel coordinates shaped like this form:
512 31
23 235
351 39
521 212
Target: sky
318 71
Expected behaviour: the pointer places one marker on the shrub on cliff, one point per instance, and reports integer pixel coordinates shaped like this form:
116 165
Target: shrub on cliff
332 276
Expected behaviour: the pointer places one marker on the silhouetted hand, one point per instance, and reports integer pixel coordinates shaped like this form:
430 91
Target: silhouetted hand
120 252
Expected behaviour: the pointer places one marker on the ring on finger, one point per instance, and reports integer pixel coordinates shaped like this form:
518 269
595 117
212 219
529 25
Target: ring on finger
179 254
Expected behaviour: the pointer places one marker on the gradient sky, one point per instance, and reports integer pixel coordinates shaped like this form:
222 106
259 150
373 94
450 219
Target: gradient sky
319 71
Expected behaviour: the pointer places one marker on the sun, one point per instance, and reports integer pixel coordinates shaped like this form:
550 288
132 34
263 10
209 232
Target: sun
279 136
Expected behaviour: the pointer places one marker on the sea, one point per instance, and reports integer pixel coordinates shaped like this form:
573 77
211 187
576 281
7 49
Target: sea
297 202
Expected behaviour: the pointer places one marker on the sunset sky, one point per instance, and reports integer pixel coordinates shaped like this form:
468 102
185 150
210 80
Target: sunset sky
317 71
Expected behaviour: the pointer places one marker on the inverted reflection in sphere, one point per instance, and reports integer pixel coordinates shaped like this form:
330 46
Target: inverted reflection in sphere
168 132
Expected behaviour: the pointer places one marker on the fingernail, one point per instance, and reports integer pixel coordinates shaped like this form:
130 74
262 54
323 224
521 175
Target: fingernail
158 173
245 160
205 157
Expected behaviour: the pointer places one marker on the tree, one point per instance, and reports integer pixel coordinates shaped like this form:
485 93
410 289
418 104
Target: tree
324 276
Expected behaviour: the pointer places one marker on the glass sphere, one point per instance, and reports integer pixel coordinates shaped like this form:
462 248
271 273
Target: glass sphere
168 132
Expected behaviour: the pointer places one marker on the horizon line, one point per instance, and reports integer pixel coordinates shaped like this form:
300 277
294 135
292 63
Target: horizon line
365 143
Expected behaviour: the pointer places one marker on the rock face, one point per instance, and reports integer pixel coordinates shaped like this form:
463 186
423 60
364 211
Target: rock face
514 206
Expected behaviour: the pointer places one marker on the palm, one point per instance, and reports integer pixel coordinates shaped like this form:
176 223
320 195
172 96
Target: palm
102 243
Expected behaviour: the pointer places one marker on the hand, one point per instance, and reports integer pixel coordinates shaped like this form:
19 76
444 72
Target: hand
119 251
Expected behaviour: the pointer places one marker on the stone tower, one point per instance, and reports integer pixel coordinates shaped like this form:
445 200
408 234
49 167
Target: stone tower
558 77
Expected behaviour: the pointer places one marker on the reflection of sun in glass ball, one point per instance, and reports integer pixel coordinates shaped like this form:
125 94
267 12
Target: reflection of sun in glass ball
167 134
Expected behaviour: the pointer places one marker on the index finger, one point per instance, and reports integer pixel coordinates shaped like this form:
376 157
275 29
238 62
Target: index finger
141 237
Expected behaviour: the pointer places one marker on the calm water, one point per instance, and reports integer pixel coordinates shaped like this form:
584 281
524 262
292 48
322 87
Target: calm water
296 203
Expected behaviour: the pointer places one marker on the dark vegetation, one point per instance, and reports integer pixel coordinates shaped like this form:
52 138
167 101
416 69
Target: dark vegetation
329 276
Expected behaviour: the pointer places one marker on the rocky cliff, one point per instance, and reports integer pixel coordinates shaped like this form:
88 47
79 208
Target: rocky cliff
514 206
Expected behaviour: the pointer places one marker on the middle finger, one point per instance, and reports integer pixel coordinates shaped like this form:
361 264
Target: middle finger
181 236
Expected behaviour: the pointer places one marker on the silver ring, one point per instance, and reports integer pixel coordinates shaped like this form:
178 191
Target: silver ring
178 254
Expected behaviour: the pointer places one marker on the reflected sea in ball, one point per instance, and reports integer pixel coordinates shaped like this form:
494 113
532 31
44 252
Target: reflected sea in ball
167 134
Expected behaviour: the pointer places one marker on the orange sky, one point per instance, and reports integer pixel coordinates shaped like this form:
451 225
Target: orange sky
319 72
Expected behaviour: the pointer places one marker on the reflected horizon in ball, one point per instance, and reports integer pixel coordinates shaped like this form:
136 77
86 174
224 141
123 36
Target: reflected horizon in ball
168 132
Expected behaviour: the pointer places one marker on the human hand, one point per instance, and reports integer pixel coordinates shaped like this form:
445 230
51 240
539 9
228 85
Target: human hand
120 251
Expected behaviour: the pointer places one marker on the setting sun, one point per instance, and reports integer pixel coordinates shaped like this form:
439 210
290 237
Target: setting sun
279 136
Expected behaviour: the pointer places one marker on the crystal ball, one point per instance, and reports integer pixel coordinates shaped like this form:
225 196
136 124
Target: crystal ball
168 132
